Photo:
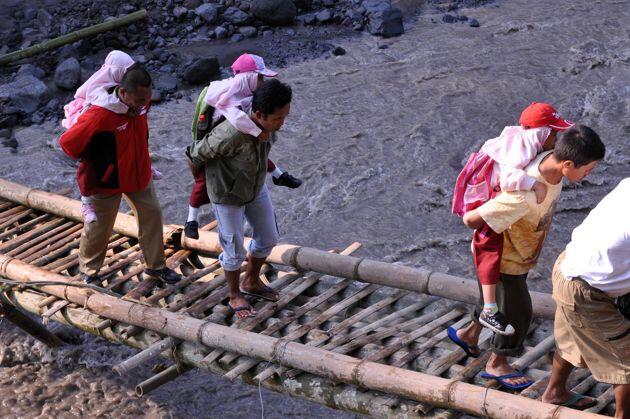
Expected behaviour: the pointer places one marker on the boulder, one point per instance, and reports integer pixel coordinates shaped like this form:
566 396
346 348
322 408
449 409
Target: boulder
236 16
220 32
180 12
165 83
275 12
68 74
473 23
24 95
248 31
383 19
44 20
209 12
191 4
32 70
237 37
202 70
323 16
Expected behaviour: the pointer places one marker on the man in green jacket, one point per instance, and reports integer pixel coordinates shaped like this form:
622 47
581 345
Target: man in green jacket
236 166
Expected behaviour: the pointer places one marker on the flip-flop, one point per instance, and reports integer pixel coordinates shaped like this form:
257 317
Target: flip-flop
501 379
263 294
576 398
452 335
243 308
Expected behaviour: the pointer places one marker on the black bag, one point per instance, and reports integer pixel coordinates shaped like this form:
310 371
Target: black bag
623 304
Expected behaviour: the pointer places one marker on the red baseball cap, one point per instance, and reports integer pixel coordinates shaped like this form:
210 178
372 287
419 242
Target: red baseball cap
250 62
540 114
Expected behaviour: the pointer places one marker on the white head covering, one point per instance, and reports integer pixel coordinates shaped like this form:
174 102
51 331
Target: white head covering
235 92
94 90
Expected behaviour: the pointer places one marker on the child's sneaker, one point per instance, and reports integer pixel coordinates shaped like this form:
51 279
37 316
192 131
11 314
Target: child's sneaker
496 322
89 216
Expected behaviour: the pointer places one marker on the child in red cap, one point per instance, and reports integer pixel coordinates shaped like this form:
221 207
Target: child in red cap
231 99
498 166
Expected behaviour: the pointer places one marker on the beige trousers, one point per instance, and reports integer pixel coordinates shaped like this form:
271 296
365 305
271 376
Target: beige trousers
96 235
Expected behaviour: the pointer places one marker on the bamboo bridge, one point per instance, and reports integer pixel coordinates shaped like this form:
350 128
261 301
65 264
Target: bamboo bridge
348 332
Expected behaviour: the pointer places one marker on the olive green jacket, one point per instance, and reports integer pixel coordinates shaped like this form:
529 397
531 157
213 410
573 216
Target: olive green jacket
236 164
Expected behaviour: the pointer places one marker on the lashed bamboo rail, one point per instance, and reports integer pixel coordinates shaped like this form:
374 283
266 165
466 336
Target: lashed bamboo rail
416 386
302 258
73 37
368 322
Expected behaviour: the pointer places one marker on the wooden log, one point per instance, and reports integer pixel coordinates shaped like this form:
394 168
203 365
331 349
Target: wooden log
307 386
24 226
28 325
404 383
160 379
301 258
148 354
73 37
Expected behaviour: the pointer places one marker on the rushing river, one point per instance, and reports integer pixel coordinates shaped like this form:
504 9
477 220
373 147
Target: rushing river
378 135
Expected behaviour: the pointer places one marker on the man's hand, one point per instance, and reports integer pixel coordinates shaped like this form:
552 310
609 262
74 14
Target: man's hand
194 170
540 189
264 136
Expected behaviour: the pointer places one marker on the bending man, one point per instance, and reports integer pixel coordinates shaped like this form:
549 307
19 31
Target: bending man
590 331
236 166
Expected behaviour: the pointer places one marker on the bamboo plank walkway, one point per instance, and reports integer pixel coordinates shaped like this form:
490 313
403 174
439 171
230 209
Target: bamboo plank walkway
366 321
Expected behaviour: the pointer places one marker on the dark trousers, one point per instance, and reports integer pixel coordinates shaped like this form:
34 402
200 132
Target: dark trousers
515 303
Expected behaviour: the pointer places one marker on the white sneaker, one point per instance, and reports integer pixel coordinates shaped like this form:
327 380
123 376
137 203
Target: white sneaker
89 216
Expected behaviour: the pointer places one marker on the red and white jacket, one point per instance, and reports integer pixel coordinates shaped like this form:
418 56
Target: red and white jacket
114 151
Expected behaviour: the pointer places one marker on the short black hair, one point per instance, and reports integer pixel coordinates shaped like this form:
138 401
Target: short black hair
579 144
136 76
271 95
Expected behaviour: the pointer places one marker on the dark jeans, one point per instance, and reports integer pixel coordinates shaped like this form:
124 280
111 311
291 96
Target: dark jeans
515 303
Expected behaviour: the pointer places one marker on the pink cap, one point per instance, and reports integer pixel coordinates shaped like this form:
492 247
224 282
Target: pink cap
250 62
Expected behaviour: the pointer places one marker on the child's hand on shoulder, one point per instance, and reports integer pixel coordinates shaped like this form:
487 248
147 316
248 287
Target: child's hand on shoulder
540 189
264 136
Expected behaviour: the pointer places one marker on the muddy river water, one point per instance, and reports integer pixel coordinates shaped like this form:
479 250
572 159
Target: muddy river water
378 135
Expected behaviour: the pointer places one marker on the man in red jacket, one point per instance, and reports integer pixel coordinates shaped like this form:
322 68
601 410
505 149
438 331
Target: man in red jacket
115 161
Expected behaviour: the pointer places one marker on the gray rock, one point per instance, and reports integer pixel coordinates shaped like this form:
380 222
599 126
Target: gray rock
248 31
328 3
202 70
23 95
68 74
180 13
309 19
473 23
220 32
209 12
165 83
275 12
32 70
45 20
385 22
339 51
267 33
236 16
449 19
237 37
156 96
323 16
374 6
191 4
30 14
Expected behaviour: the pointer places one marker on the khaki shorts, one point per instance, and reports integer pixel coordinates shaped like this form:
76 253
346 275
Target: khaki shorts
590 332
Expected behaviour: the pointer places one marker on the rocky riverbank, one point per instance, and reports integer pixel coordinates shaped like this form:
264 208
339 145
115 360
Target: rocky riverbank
183 43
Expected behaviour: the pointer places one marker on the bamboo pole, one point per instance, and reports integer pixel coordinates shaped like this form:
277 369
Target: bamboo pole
302 258
73 37
161 378
28 325
307 386
404 383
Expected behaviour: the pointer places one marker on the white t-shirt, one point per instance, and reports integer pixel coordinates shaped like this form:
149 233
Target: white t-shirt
599 251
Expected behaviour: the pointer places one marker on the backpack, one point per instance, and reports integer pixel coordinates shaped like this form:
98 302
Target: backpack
204 113
474 184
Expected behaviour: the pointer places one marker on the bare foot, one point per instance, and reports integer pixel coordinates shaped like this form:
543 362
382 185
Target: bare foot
258 289
498 365
241 307
564 396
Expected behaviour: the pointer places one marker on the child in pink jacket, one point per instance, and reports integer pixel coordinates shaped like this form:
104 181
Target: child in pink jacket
498 166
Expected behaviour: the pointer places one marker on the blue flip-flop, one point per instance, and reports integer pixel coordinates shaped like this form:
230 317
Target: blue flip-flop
501 379
452 335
